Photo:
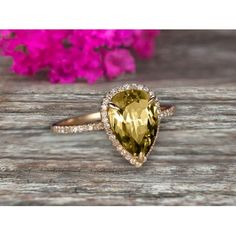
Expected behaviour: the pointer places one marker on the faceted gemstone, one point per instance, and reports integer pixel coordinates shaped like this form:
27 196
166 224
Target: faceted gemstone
133 118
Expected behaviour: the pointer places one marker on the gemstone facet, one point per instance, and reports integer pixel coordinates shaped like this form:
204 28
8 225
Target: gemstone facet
134 120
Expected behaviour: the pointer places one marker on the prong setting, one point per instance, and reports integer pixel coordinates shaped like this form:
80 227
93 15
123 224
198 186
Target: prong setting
112 105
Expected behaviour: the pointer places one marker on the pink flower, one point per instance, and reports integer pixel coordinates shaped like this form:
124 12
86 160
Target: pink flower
68 55
144 43
118 62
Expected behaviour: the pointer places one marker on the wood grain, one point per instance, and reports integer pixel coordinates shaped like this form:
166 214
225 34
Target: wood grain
193 163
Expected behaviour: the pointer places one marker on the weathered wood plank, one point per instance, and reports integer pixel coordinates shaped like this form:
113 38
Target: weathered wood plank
193 163
173 183
41 144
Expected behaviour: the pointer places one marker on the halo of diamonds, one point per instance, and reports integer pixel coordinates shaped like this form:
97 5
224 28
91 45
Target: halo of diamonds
105 120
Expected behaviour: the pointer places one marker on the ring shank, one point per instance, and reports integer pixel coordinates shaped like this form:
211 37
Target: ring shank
80 120
91 122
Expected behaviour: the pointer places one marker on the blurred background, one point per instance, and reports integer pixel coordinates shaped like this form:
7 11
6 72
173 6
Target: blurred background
182 58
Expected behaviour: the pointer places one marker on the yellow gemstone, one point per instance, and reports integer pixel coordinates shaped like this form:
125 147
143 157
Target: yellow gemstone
133 117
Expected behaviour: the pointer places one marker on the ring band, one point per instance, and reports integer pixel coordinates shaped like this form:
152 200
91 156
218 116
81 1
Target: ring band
92 122
137 107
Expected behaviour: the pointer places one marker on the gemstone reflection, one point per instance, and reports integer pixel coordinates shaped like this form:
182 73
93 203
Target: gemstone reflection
133 117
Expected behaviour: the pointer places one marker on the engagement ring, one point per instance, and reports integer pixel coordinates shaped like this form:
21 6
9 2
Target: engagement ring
130 115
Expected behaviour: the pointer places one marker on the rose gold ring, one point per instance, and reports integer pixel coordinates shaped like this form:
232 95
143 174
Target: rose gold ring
130 115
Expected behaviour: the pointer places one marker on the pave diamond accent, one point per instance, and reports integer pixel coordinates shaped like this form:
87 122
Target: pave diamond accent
78 128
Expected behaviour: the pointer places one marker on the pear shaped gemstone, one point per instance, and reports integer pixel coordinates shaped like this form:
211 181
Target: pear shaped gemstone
133 118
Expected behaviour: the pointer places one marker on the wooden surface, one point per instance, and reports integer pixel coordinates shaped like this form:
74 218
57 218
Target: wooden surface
193 162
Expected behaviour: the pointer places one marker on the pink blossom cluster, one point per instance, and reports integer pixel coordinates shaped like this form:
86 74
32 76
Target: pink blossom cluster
67 55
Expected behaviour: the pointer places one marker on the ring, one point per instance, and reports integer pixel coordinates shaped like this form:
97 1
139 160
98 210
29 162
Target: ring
130 115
